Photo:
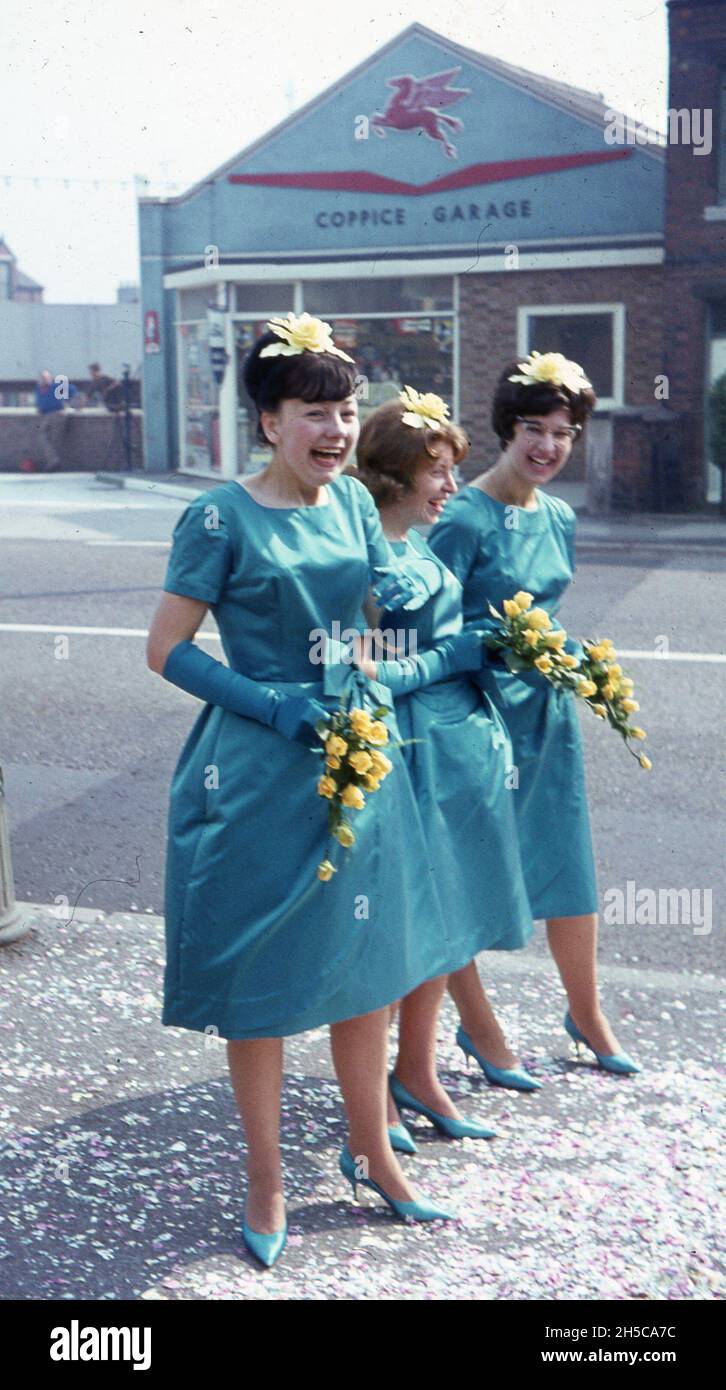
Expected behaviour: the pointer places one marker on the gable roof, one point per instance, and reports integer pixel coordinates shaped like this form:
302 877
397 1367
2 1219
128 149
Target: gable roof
576 101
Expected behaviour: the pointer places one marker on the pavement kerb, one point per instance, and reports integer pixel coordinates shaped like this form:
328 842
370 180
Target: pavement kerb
689 531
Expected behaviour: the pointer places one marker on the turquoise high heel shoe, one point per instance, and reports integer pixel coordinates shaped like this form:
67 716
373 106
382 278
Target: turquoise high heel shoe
454 1129
267 1248
401 1140
416 1211
617 1062
516 1078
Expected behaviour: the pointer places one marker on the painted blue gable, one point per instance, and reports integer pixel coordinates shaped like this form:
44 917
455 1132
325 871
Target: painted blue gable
617 190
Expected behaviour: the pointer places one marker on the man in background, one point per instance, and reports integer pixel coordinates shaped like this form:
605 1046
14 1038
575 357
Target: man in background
104 389
51 398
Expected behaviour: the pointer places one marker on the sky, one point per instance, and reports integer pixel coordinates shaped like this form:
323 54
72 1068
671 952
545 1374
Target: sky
93 97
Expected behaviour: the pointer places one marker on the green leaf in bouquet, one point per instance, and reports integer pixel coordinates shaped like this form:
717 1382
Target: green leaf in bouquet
381 712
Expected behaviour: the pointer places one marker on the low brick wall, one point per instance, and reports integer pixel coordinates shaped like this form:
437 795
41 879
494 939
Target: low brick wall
86 440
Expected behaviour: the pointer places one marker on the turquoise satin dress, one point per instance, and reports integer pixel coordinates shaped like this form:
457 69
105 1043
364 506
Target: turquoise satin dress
495 550
460 767
257 946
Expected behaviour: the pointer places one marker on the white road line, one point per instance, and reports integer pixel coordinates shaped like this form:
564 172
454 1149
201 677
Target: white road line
214 637
165 544
90 631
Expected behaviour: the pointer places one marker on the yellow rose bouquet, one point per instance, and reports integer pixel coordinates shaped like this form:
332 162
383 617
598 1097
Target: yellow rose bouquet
529 640
354 766
609 693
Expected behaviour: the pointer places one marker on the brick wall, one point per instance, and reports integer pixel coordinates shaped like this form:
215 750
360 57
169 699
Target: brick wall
91 442
695 268
488 338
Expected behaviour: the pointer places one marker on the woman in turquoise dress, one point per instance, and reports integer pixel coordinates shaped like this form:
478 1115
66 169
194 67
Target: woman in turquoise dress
503 534
258 946
457 749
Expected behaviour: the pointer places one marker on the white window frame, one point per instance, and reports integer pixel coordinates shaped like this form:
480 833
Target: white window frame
617 312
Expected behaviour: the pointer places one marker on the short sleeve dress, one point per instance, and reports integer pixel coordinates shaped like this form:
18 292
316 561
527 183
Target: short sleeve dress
257 945
495 550
460 765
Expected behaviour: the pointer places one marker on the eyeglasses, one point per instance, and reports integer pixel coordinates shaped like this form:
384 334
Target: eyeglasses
564 435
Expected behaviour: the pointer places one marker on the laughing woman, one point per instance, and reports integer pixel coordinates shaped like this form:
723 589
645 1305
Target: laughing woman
258 947
459 756
501 535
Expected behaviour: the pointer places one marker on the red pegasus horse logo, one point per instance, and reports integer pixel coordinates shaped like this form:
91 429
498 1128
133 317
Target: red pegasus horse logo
415 107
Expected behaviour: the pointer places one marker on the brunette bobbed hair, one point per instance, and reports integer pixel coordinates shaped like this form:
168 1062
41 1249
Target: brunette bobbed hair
390 453
513 398
305 376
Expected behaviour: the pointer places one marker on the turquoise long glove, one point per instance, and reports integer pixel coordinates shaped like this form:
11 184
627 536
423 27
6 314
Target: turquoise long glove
410 586
462 652
200 674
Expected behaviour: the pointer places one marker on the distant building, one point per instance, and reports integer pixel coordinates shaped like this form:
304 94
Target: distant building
14 283
446 212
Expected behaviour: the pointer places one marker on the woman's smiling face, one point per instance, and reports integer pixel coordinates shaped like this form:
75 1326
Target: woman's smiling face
314 439
433 484
540 446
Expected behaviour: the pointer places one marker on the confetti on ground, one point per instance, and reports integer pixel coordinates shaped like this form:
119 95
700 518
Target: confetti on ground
122 1159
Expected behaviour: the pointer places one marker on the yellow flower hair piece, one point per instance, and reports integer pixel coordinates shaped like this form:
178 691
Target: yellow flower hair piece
553 368
301 333
428 410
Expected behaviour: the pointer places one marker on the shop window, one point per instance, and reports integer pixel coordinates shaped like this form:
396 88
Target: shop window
199 401
591 335
192 303
268 297
410 294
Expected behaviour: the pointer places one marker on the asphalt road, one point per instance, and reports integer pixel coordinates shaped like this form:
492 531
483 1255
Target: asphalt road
89 741
121 1154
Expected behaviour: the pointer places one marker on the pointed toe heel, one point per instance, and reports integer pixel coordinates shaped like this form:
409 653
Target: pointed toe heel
266 1248
413 1211
618 1063
453 1129
401 1140
513 1078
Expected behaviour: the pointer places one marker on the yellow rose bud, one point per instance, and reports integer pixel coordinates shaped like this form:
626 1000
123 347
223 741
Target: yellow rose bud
372 783
569 660
381 764
630 706
334 763
326 870
544 664
539 618
555 639
644 762
344 835
353 796
615 670
326 787
360 762
601 710
360 721
523 600
626 683
511 608
608 690
531 636
336 746
377 733
586 689
635 732
597 653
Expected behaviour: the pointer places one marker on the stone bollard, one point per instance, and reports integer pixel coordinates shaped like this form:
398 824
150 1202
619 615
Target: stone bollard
13 925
